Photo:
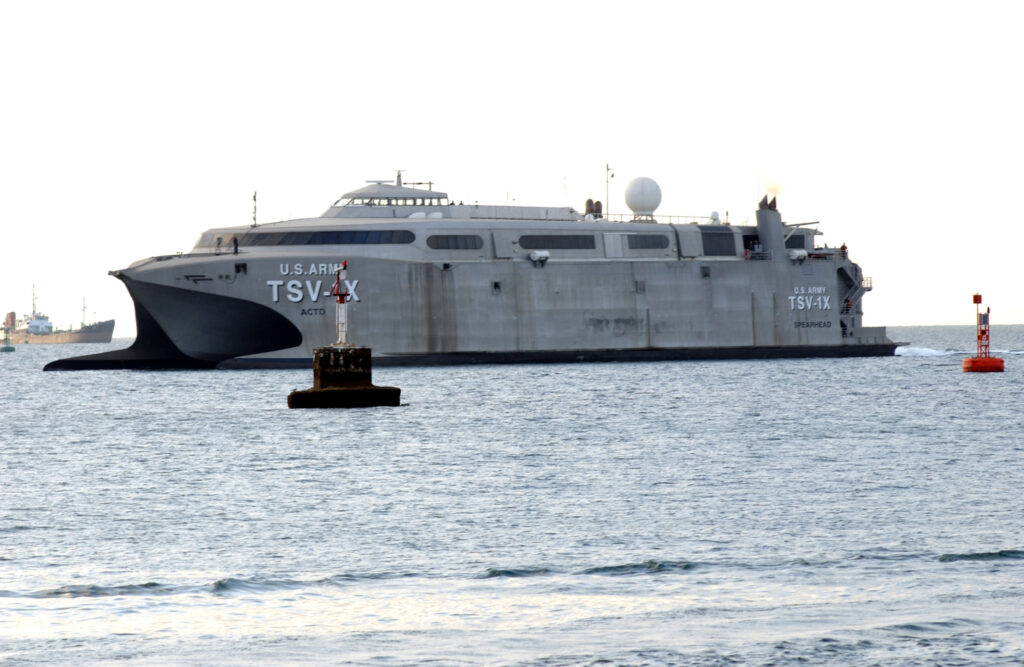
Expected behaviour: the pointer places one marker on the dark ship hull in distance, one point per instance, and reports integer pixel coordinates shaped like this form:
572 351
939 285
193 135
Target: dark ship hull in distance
98 332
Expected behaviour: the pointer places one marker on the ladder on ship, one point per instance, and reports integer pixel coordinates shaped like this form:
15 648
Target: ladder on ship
849 306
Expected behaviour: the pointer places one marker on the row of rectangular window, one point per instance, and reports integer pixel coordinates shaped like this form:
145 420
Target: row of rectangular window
586 242
376 201
716 241
441 242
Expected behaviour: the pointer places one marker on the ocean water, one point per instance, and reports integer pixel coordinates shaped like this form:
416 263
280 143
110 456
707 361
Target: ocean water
782 512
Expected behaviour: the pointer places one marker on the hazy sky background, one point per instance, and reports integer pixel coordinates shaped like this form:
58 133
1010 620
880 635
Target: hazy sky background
127 128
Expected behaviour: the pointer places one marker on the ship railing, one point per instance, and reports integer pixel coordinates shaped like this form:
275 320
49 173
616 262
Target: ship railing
759 254
664 219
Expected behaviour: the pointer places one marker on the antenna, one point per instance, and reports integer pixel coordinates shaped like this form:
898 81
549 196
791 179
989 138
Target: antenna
254 208
608 174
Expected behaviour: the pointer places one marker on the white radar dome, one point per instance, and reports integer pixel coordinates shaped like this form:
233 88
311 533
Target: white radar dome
643 196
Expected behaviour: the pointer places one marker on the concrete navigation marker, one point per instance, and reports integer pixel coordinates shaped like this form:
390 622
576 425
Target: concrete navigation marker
342 379
342 373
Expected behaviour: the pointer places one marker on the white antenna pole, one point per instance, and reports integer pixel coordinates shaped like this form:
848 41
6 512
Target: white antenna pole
254 209
607 201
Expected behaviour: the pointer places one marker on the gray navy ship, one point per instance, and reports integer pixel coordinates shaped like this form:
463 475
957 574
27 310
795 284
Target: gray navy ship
435 282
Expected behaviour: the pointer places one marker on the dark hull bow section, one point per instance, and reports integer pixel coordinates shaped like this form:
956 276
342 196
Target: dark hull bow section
210 329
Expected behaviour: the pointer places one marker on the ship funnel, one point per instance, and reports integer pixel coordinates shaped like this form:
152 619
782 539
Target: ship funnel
769 229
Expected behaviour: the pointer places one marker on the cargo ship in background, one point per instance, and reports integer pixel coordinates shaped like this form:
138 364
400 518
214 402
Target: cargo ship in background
432 281
37 328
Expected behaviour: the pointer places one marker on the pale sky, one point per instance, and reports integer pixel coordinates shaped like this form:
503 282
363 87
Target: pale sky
127 128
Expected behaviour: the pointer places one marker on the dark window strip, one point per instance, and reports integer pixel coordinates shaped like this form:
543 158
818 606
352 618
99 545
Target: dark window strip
331 237
557 242
455 242
647 241
719 245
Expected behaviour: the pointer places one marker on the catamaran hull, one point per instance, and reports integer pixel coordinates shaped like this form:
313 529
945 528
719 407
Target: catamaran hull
432 282
222 312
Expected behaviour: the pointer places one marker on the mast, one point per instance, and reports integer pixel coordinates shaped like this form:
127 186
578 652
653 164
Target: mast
609 173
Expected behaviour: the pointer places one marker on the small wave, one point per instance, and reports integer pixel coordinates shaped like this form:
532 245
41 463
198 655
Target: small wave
647 567
265 585
227 585
907 627
372 576
923 627
885 554
910 351
1002 554
94 591
259 585
16 529
493 572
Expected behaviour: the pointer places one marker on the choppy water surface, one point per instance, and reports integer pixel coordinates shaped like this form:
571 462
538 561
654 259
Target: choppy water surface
854 511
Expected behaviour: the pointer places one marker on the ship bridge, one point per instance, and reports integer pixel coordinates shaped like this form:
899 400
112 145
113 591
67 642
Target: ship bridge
384 193
383 199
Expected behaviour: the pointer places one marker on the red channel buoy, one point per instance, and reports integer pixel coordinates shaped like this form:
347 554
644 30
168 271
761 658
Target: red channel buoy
983 362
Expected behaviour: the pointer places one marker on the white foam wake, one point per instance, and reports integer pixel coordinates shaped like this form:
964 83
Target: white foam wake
911 351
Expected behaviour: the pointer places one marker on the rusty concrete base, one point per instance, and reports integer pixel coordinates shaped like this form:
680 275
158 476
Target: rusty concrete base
341 379
345 397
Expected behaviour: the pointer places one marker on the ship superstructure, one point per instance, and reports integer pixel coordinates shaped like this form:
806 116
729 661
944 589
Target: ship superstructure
434 281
